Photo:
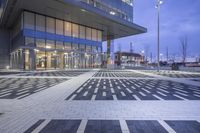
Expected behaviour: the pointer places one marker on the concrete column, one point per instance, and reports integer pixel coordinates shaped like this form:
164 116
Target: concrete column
110 50
32 55
48 60
61 56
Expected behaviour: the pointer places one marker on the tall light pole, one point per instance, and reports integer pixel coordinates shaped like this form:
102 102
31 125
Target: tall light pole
159 2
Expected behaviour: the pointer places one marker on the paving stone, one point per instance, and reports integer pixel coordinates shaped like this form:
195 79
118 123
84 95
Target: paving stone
128 89
68 73
145 126
31 129
185 126
61 126
103 126
20 88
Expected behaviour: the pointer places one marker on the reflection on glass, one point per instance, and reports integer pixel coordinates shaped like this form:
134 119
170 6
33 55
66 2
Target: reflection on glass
75 30
40 60
82 32
59 27
40 23
50 44
68 29
40 43
88 33
59 45
50 24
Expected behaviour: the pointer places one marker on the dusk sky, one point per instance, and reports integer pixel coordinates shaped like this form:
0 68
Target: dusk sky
178 18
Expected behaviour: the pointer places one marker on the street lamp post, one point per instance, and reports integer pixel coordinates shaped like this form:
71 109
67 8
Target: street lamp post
159 2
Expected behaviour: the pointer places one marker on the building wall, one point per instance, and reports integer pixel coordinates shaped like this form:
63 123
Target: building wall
44 42
4 48
120 8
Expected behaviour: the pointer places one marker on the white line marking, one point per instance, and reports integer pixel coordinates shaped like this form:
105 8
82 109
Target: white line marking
23 95
196 95
123 94
41 126
136 97
1 93
145 90
112 90
93 97
5 94
72 97
19 93
128 90
141 93
158 97
161 93
180 97
133 87
82 126
183 94
85 94
39 89
79 90
124 126
166 126
114 97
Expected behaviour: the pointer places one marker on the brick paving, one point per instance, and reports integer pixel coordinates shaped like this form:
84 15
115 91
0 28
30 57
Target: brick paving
108 101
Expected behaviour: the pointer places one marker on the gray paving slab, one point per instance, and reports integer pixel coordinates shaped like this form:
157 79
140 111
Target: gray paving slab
185 126
61 126
145 126
103 126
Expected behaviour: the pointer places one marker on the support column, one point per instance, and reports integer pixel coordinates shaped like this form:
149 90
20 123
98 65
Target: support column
32 59
110 52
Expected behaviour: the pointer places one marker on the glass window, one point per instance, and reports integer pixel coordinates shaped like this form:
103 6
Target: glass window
59 27
88 48
94 34
82 47
68 29
50 23
50 44
88 33
40 60
40 23
40 43
99 49
29 41
75 46
59 45
29 20
67 46
82 32
94 49
99 36
75 30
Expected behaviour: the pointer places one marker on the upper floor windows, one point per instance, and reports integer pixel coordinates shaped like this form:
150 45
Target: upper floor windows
56 26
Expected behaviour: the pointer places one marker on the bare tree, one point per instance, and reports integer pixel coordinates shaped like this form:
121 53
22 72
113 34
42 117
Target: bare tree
184 48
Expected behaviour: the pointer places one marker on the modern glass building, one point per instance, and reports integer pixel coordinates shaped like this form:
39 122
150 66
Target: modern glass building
61 34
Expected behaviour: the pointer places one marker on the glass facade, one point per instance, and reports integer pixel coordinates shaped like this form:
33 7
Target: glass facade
44 42
120 8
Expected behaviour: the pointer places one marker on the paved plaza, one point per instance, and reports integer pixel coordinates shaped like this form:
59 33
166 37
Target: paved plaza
100 101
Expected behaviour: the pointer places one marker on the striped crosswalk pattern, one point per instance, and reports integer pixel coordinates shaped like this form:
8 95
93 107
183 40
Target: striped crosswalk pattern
114 126
17 88
135 89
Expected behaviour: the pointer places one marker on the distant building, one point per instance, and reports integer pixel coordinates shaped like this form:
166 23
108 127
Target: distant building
128 59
